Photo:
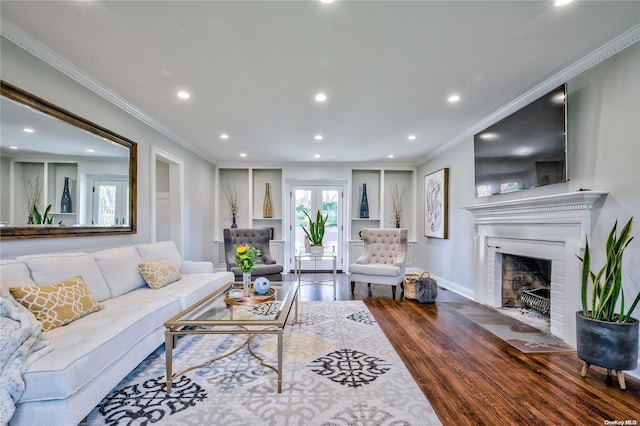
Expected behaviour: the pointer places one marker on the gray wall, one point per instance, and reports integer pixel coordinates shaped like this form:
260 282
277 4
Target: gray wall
31 74
604 155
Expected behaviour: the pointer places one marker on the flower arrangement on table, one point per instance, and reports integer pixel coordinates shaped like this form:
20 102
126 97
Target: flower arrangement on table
247 257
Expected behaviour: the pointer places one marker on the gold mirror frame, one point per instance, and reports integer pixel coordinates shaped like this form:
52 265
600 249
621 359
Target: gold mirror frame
27 232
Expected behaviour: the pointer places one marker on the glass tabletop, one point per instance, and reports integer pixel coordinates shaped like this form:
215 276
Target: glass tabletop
227 307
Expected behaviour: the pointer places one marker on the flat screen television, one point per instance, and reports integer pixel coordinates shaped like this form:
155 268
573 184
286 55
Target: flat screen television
525 150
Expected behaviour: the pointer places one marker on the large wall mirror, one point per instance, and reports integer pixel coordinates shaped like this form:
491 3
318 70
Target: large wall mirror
80 177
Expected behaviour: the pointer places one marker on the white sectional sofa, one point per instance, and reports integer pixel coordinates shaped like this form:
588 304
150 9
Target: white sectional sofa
93 353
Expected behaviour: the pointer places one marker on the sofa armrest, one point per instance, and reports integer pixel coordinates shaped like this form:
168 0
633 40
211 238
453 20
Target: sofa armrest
193 267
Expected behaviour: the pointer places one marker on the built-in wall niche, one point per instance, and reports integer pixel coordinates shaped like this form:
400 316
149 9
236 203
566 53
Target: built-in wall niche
46 179
372 180
398 185
381 184
248 185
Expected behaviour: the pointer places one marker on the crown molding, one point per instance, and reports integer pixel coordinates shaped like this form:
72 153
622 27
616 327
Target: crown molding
607 50
46 55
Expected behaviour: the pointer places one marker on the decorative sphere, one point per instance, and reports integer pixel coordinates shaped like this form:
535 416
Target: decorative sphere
261 285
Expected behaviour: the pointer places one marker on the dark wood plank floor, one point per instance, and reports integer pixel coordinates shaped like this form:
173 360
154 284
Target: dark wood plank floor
472 377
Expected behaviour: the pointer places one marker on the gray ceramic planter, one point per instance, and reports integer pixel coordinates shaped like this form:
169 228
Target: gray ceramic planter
607 344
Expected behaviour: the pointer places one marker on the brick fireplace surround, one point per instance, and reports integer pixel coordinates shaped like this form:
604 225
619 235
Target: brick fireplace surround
550 227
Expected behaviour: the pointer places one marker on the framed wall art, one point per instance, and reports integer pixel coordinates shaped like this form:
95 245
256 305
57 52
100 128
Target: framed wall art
436 204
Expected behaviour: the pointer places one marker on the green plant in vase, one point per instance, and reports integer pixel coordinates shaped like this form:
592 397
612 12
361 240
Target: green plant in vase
607 337
315 230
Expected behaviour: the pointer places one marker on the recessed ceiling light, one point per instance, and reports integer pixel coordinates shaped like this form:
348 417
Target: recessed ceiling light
453 98
90 150
327 1
183 95
316 156
13 147
224 136
411 137
560 3
488 136
318 137
391 156
243 154
321 97
27 129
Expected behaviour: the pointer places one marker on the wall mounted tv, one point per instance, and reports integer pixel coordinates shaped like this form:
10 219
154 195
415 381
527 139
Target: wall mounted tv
525 150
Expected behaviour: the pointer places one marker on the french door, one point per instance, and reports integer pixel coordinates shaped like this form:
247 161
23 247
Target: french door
328 199
110 203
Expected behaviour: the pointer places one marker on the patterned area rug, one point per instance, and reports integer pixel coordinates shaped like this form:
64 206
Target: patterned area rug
339 369
521 336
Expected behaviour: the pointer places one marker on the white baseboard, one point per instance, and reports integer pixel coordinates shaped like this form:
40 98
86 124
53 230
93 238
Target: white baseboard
456 288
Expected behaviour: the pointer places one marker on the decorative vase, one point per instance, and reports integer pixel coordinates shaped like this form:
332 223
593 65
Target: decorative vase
606 344
316 249
30 220
233 222
246 283
364 204
398 224
267 207
65 202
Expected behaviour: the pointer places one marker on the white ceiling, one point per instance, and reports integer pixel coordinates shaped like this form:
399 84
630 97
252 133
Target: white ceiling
387 67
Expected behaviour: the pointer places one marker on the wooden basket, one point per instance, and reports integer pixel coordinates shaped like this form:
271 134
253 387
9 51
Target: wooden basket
410 284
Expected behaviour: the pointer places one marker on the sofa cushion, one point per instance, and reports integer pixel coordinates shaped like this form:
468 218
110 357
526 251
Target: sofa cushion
159 273
193 287
85 348
119 267
14 274
160 250
57 304
50 268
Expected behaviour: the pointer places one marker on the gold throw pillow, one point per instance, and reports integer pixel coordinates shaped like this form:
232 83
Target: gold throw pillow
159 273
57 304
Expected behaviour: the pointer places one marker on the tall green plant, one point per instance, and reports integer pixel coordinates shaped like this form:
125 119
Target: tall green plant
315 231
44 218
607 283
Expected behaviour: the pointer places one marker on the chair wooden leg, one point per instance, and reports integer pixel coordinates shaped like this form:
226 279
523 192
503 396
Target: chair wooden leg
393 292
353 287
621 382
585 368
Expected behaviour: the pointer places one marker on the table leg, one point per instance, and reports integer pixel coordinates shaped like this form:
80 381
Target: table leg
168 349
280 362
334 278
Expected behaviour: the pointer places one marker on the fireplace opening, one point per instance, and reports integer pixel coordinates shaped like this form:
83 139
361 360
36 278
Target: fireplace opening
526 283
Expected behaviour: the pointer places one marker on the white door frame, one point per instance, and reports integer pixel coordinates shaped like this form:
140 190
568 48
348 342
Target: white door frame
176 195
290 220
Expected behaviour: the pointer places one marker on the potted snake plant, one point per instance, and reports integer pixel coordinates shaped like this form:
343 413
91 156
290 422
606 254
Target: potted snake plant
607 336
315 231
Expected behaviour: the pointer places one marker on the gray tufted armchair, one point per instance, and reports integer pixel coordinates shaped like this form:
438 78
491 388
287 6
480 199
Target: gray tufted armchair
383 259
255 237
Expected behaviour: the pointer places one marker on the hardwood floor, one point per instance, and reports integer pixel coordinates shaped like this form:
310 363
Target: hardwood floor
472 377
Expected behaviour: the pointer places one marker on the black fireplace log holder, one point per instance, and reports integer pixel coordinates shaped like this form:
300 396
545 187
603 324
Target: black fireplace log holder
538 299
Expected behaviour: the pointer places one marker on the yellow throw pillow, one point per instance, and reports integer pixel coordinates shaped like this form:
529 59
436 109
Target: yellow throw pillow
159 273
57 304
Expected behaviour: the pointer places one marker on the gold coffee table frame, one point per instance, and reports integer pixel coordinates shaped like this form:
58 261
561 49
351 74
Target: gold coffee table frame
212 315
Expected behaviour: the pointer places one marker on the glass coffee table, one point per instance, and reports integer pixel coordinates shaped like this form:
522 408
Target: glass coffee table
228 311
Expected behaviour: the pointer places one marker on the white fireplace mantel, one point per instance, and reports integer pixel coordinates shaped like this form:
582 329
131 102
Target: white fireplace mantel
571 201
